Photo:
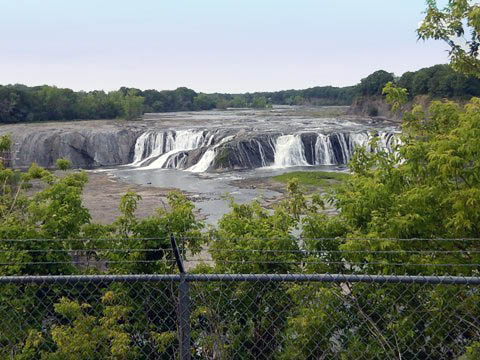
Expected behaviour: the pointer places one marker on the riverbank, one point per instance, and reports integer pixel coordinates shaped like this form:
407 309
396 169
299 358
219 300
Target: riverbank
103 192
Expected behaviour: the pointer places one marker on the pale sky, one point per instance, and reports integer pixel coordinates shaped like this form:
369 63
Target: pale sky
209 45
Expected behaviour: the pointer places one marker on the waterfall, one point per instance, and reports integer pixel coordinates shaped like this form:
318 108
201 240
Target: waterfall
149 145
324 151
208 157
289 151
262 153
386 140
196 150
184 140
156 150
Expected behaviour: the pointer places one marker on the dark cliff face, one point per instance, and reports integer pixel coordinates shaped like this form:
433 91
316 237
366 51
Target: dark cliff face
309 140
373 106
86 148
245 153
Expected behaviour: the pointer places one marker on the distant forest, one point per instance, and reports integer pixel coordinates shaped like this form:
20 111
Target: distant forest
20 103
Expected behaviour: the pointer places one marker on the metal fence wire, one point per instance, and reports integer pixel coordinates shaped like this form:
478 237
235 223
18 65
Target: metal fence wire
207 315
222 316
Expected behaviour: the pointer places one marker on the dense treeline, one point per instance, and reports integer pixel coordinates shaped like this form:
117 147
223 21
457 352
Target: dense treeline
184 99
20 103
440 81
319 95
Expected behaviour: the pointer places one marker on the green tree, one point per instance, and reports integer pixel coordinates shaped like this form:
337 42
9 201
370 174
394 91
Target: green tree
395 96
203 102
132 105
259 102
63 164
458 19
83 335
246 320
373 84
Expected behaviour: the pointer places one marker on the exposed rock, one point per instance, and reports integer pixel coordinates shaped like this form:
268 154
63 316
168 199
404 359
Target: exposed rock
375 107
245 153
85 148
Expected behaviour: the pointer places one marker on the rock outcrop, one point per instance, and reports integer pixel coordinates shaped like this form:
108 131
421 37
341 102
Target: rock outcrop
85 148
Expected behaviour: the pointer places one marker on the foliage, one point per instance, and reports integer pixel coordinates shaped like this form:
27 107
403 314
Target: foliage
19 103
249 226
63 164
395 96
439 81
82 335
132 105
259 102
373 84
428 187
458 19
205 102
5 142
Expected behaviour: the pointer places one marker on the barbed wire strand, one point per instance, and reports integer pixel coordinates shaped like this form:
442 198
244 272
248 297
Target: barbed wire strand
252 262
259 251
206 237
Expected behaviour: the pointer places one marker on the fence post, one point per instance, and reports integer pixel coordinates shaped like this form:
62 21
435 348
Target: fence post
183 305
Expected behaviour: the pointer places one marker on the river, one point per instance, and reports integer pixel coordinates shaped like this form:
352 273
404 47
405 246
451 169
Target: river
208 154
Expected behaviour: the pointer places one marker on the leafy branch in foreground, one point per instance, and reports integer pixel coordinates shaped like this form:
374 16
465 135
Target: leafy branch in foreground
458 24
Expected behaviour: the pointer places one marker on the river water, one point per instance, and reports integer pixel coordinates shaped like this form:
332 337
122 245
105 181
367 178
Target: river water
209 154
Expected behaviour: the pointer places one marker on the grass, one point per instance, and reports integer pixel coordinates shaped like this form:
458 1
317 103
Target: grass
321 179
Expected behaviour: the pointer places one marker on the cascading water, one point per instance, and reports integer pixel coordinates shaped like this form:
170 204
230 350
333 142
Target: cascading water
151 145
289 151
324 151
262 154
208 157
164 149
196 151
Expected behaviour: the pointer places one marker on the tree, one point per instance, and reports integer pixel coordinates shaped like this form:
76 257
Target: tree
203 102
458 24
428 188
259 102
132 105
373 84
83 335
395 96
63 164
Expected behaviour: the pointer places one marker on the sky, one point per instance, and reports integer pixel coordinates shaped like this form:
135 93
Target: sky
209 45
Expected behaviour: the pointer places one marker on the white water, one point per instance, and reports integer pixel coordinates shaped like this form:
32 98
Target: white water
324 151
262 153
289 151
149 142
166 145
207 158
169 149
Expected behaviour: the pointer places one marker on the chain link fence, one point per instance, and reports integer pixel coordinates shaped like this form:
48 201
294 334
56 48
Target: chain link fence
379 299
231 316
